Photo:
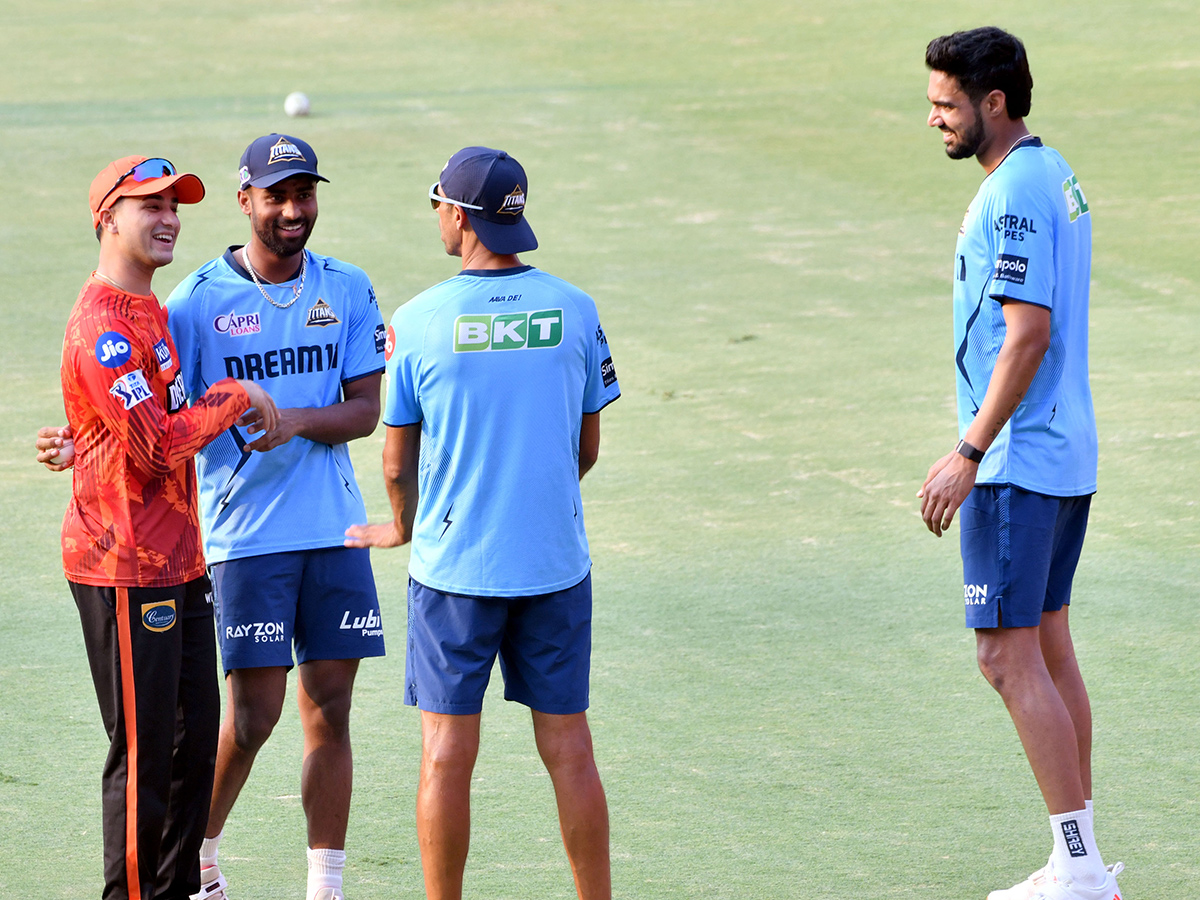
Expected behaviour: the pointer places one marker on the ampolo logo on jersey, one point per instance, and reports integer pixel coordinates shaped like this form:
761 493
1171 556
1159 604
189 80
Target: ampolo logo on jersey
975 594
131 389
1011 268
284 150
236 325
112 350
320 315
159 616
371 624
508 331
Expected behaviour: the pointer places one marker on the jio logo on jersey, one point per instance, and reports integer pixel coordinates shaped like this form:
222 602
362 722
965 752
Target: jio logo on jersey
112 350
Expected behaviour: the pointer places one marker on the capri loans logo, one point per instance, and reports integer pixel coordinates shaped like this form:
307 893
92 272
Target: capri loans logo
508 331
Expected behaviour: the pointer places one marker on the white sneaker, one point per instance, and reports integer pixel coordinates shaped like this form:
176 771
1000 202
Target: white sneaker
1025 889
212 885
328 893
1061 889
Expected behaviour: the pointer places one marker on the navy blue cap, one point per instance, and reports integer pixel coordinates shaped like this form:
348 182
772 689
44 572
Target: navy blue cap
274 157
494 181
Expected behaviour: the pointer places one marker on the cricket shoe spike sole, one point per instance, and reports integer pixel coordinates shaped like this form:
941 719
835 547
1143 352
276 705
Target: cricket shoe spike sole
214 887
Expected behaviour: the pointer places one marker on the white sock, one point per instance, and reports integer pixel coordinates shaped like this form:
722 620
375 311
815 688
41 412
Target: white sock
325 870
1075 854
208 851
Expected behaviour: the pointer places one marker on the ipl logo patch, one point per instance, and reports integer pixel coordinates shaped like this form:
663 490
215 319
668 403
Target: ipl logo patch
159 616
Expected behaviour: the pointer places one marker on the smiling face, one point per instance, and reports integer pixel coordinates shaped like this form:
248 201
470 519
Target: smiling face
282 216
146 229
961 121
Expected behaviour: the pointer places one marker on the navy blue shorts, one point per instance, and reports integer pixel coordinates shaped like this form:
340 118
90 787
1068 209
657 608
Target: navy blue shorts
544 643
1019 551
322 600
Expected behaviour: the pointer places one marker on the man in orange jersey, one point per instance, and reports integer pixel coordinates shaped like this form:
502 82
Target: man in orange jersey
131 538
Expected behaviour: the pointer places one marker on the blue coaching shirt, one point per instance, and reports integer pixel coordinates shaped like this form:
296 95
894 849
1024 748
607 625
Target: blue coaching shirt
499 367
1027 236
301 495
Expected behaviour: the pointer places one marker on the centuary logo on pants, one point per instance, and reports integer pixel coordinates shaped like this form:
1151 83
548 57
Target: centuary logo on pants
158 616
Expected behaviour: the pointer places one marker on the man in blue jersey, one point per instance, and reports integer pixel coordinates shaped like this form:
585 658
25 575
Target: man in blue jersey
308 328
496 379
1025 467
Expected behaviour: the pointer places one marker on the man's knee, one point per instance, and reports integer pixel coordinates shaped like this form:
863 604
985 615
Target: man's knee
564 742
253 724
326 691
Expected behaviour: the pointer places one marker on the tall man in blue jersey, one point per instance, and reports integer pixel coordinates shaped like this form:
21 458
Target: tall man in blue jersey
1025 467
496 379
274 511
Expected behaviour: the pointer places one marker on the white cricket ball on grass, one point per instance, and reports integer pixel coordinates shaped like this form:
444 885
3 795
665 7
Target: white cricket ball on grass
296 104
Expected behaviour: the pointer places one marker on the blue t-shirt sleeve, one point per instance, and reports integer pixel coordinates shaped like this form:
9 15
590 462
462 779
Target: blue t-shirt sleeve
1021 225
601 387
182 308
404 338
365 334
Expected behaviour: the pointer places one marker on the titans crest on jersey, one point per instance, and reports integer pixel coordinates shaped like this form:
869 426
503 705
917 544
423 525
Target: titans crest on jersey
301 495
499 367
1027 237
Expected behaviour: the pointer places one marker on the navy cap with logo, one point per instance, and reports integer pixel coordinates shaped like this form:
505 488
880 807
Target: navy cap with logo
494 181
274 157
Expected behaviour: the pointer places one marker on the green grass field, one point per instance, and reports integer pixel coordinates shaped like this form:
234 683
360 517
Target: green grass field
784 700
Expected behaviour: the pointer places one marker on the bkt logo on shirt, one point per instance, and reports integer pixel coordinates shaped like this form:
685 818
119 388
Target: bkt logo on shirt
1011 268
234 325
508 331
131 389
975 594
112 350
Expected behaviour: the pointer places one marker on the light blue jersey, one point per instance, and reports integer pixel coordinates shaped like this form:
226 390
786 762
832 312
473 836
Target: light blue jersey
1027 237
499 367
301 495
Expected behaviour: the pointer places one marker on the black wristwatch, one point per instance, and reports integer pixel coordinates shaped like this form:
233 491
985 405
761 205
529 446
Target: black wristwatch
974 454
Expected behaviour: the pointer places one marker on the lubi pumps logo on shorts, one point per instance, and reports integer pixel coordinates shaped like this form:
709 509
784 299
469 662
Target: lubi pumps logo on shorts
284 150
159 616
509 331
975 594
371 624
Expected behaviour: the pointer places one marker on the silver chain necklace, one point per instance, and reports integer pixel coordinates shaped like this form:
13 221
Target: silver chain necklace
297 289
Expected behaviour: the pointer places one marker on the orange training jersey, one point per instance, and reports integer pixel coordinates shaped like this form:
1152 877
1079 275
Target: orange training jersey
132 520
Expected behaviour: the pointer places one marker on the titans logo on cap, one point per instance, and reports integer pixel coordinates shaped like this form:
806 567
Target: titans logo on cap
284 150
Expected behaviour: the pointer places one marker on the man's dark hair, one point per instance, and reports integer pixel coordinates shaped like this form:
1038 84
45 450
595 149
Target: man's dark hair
985 60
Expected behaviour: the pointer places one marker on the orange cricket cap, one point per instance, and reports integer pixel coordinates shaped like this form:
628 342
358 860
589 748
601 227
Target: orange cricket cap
138 176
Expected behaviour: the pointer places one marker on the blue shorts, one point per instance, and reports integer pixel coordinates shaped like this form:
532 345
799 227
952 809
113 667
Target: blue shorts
323 601
1019 551
544 643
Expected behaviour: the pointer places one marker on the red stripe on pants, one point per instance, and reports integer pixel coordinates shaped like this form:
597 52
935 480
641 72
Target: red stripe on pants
129 701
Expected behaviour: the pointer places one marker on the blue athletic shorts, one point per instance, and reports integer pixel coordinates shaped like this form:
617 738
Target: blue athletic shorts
323 601
544 643
1019 551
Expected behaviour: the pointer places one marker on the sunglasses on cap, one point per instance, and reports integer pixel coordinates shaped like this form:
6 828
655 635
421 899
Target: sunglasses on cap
436 199
143 171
